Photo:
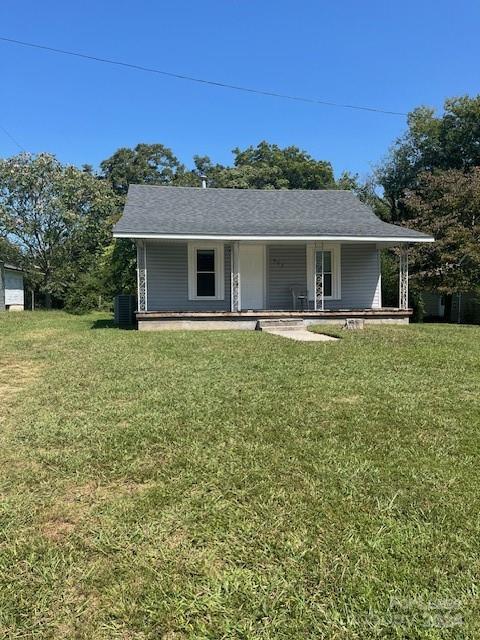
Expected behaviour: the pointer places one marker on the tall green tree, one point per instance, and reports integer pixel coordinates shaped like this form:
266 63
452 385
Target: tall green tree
268 166
145 164
429 181
59 216
448 141
446 204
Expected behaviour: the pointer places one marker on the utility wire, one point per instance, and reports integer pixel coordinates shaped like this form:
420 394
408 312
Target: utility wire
9 135
179 76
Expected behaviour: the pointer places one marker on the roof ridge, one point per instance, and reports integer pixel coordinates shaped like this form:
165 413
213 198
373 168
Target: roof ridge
172 186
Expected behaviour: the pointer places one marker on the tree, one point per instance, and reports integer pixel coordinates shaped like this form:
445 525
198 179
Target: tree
145 164
429 181
59 216
117 266
450 141
10 253
446 204
266 166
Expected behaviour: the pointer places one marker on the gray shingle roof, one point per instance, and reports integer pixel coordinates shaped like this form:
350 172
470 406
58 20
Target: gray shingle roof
191 211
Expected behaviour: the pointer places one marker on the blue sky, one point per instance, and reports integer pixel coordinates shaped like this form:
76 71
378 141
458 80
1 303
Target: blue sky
383 54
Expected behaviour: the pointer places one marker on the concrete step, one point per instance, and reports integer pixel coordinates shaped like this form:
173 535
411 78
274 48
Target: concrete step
280 323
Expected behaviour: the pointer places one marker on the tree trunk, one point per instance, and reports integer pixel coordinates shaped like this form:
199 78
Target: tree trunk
48 301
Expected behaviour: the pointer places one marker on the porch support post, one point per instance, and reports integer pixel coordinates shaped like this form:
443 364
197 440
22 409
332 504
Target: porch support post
235 304
403 280
142 276
319 281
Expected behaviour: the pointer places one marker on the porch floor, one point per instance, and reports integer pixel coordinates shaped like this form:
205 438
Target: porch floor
157 320
265 313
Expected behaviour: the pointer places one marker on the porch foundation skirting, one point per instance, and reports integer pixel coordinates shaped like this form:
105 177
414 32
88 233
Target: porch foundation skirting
247 320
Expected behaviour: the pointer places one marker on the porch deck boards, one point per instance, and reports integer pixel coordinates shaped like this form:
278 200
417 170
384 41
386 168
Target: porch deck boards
384 312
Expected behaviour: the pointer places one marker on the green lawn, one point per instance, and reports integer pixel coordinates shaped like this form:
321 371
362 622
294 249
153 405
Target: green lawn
237 485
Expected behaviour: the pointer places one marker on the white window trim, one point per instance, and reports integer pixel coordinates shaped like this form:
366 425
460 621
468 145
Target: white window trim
218 248
335 249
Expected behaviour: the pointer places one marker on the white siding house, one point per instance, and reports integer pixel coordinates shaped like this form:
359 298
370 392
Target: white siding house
229 257
12 297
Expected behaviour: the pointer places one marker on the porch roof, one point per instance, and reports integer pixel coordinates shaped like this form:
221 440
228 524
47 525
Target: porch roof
254 214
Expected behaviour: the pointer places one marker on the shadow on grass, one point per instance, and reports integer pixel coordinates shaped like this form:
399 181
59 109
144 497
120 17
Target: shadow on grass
110 324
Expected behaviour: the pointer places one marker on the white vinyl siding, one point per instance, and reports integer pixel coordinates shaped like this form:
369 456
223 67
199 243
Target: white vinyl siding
167 281
286 269
13 288
360 269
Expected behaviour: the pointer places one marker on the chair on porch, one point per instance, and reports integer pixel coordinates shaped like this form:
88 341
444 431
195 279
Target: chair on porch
299 298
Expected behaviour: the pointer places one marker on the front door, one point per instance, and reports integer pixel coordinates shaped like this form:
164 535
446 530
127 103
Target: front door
252 276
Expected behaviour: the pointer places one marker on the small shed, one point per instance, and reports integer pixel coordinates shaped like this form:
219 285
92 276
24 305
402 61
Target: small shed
12 296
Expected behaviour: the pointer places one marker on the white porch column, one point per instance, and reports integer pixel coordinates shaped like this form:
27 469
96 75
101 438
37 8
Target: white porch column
235 287
319 280
142 302
403 279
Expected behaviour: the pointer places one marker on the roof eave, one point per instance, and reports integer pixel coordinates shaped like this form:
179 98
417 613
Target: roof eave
333 238
12 267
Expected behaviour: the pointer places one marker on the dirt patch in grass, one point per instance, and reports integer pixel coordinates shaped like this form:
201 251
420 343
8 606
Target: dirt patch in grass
39 334
75 505
347 399
95 492
58 529
14 376
77 501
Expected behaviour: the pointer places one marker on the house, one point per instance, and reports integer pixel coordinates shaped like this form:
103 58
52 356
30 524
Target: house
217 258
465 307
11 288
434 305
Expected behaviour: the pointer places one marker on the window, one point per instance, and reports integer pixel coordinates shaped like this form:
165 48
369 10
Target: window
205 271
331 269
327 271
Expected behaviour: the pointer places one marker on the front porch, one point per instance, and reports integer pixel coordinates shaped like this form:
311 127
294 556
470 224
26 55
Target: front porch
182 320
245 279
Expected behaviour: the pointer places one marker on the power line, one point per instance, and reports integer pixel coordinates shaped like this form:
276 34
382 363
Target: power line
9 135
179 76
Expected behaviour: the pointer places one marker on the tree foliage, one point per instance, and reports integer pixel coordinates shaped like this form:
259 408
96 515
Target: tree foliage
266 166
449 141
446 204
10 253
430 181
145 164
59 217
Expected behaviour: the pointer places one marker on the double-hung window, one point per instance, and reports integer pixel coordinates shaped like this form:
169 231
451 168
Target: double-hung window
330 253
205 271
327 271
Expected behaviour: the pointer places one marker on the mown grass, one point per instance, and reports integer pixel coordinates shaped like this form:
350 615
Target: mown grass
236 484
